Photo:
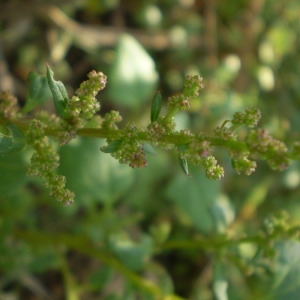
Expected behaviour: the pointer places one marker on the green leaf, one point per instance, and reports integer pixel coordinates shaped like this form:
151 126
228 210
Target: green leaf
133 255
149 149
156 107
59 93
100 278
184 165
148 182
220 283
38 91
11 142
92 175
287 274
195 197
132 77
111 147
12 173
222 213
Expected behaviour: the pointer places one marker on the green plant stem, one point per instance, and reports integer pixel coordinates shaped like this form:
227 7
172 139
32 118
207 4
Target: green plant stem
175 138
170 114
223 241
71 285
85 246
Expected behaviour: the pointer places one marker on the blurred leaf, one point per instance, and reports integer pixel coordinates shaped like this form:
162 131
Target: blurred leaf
282 37
195 197
92 175
11 142
148 182
222 212
111 147
12 173
43 259
133 76
112 297
287 275
149 149
220 283
38 91
160 232
133 255
100 278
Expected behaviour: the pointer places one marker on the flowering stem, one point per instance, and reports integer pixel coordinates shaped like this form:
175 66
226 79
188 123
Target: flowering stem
174 138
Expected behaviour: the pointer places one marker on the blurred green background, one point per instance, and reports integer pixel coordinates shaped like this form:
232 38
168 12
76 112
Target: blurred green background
148 233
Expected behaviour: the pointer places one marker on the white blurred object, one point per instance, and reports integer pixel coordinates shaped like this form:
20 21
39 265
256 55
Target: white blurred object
266 78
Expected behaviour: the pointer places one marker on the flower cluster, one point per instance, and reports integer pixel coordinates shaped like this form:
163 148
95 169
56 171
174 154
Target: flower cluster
84 103
45 161
242 164
263 146
67 132
164 125
192 86
224 133
197 150
82 106
249 118
212 169
110 119
181 102
8 105
158 130
129 150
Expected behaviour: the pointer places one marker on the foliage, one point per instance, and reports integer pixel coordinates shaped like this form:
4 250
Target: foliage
134 226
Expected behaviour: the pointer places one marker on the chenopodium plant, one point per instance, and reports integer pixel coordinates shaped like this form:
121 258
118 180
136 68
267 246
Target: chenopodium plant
78 116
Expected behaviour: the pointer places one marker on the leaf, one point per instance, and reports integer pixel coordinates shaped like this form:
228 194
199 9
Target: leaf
222 213
12 173
184 165
149 183
195 197
220 283
100 278
287 275
111 147
59 93
38 91
149 149
92 175
133 76
12 142
156 107
133 255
